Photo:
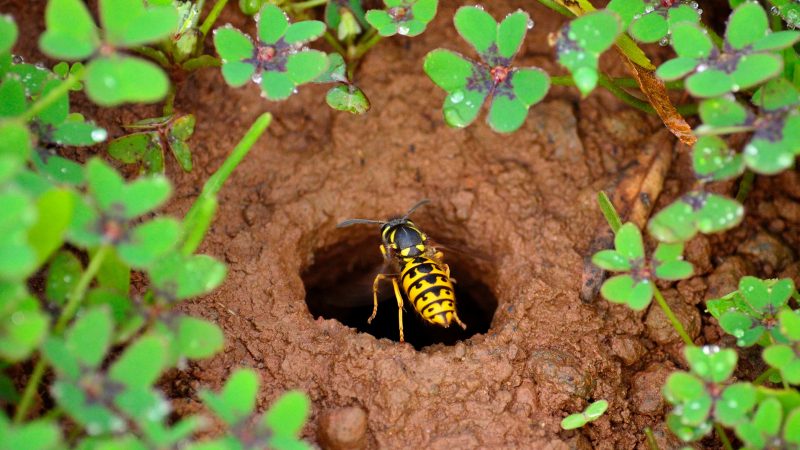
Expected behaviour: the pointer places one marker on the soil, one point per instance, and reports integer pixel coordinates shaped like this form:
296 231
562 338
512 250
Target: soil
515 214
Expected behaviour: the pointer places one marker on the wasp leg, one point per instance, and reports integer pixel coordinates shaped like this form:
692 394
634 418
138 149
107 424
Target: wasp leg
458 321
399 298
447 272
375 284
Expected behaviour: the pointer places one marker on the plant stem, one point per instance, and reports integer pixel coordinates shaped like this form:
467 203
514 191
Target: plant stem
211 18
557 7
169 103
745 186
335 44
307 4
198 219
47 99
621 94
366 42
609 212
726 443
156 55
764 376
651 439
73 303
672 318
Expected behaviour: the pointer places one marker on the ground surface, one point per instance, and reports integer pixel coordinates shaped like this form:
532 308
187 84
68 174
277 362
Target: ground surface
517 215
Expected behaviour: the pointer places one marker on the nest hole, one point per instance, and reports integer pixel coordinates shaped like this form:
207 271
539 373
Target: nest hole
339 286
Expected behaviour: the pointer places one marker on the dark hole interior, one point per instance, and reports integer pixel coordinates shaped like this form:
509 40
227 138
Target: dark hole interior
339 286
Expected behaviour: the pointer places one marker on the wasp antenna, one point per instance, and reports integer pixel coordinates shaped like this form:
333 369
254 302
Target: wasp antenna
424 201
349 222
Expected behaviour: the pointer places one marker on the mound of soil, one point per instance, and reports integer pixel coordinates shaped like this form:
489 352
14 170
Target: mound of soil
516 214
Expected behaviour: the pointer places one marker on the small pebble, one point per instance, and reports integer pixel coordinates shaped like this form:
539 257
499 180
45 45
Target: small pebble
768 251
343 429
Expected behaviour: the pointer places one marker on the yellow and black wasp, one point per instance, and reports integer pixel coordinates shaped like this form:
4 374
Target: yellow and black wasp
425 278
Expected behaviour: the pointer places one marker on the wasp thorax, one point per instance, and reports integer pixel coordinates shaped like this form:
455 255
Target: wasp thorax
266 53
499 74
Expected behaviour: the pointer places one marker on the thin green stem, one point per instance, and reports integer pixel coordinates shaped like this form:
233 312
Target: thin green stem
366 42
651 439
307 4
764 376
621 94
726 443
672 317
48 99
73 303
334 43
609 212
745 186
169 103
557 7
154 54
198 219
211 18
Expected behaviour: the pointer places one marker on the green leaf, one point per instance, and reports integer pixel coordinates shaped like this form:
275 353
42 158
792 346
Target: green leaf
676 68
114 274
237 74
711 363
424 10
134 147
8 33
382 21
461 107
347 98
71 33
40 434
198 339
627 10
449 70
12 94
307 65
573 421
624 289
53 217
183 127
595 31
23 329
713 160
180 150
128 22
63 274
150 241
78 134
709 83
722 112
179 277
288 414
790 323
105 184
144 195
776 41
611 260
116 79
141 363
737 400
695 211
19 259
15 146
56 112
237 399
791 431
649 28
277 85
746 25
776 94
530 85
691 41
628 242
90 336
305 31
754 69
233 45
505 114
511 32
476 26
272 24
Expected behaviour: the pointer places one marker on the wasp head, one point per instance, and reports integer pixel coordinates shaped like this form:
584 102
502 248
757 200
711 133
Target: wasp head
404 238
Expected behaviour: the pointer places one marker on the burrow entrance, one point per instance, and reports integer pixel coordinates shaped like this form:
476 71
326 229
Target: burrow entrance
339 286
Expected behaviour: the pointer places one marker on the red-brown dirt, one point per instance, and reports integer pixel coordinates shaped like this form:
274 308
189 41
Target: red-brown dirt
517 214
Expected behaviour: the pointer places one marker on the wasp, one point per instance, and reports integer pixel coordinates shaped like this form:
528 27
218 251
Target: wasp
419 269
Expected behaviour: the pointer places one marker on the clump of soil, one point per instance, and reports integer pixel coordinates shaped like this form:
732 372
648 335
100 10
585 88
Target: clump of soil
516 212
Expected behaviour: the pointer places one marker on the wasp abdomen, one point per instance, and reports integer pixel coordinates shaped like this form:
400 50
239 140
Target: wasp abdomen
430 290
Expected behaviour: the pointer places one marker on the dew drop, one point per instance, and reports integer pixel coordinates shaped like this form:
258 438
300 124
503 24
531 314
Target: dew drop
99 134
17 59
457 96
403 30
530 24
664 42
257 76
774 11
